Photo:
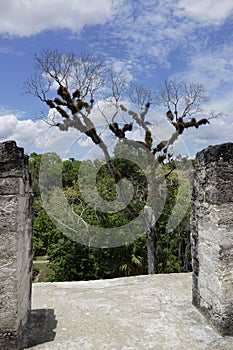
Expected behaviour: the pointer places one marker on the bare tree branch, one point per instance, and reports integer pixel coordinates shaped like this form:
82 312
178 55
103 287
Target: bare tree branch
181 98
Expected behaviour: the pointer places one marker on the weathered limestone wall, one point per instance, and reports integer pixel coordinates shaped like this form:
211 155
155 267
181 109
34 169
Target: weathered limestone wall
16 220
212 235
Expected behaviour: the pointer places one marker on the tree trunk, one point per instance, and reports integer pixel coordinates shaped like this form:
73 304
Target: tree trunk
152 251
152 246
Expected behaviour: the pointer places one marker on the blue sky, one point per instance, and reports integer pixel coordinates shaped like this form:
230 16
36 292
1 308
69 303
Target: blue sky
152 40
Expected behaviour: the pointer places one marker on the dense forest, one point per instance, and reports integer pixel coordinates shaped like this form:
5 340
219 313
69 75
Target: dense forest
68 260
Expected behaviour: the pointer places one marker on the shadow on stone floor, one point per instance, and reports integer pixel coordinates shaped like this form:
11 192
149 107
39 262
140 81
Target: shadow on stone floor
41 328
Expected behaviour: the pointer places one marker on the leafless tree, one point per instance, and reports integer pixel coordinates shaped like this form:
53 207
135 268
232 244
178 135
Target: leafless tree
70 85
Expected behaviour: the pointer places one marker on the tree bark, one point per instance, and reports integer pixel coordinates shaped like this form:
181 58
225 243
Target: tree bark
152 251
152 246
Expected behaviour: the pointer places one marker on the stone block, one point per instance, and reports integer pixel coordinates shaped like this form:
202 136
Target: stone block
212 235
16 220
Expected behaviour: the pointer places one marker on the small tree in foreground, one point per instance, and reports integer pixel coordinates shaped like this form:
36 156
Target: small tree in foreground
72 87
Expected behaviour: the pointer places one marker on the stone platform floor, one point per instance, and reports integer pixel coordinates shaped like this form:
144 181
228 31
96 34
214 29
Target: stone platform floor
133 313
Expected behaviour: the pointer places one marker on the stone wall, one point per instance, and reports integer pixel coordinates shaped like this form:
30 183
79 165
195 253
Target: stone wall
212 240
212 235
16 221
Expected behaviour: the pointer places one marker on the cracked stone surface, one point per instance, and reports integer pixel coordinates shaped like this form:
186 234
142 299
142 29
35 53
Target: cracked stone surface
143 312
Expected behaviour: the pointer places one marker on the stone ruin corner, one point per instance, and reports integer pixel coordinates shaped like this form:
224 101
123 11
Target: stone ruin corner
212 236
16 225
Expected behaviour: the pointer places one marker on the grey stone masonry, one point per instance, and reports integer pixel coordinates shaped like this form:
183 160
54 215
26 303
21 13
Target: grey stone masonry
16 222
212 236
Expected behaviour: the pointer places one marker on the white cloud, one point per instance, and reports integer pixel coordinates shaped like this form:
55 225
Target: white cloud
84 142
32 135
222 103
213 69
7 126
219 131
28 17
149 28
26 133
154 29
38 136
207 11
